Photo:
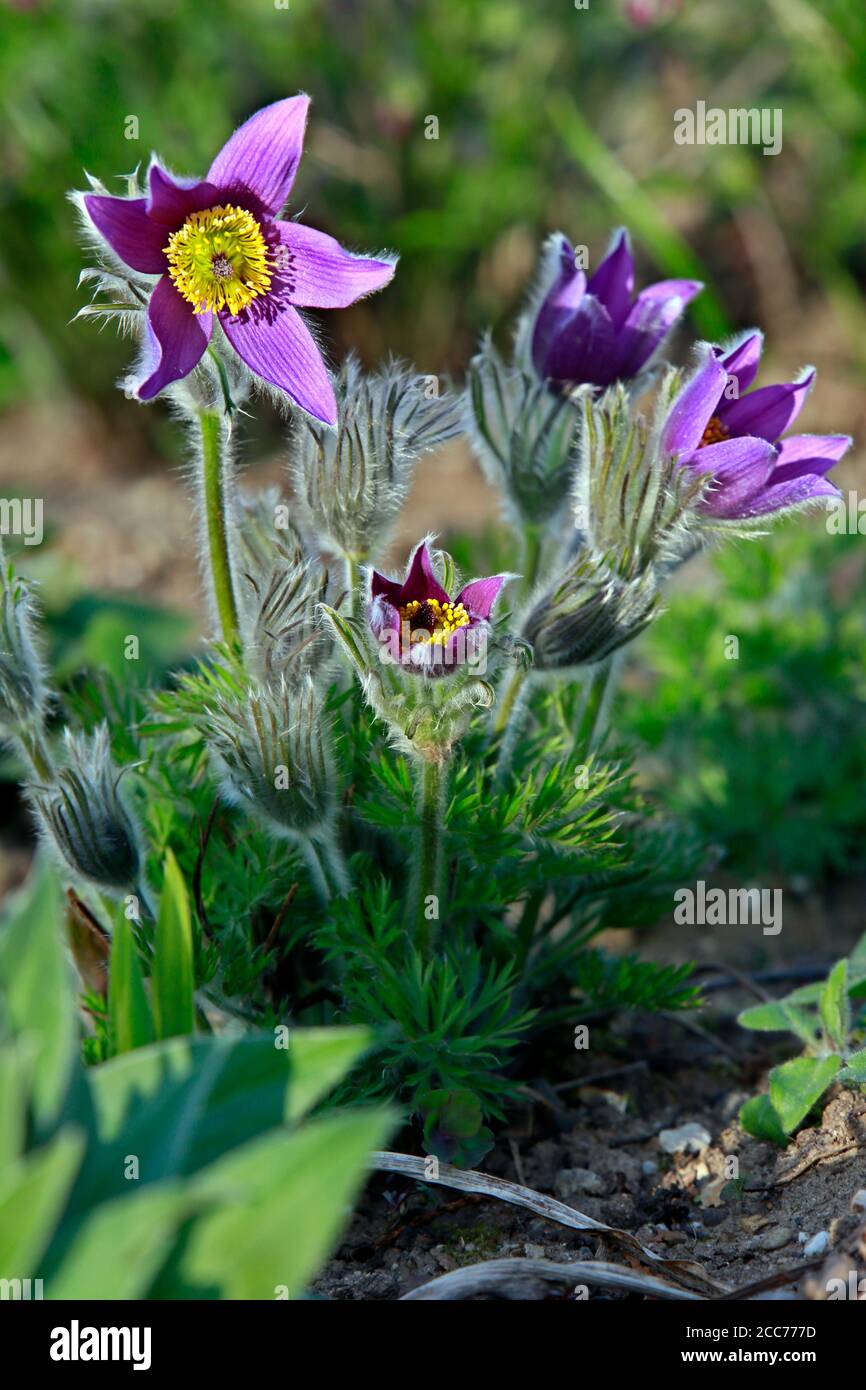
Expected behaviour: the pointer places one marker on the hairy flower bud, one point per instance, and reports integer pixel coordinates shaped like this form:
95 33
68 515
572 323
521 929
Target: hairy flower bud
271 749
588 614
351 482
525 436
82 814
23 694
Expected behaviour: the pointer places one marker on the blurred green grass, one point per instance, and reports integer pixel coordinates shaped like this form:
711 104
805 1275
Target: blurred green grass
548 117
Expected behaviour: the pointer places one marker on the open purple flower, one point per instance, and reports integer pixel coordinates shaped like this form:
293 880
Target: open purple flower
595 332
718 426
420 627
219 247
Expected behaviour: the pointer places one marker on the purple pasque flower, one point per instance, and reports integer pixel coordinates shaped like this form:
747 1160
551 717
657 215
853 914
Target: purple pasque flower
419 627
716 425
219 247
595 331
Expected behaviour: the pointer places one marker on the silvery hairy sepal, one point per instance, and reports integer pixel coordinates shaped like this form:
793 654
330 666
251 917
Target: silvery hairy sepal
632 510
23 693
524 435
629 499
83 816
350 482
271 751
282 630
588 612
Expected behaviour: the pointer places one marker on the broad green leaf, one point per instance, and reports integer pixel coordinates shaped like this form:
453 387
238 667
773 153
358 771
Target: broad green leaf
834 1007
177 1106
121 1245
173 984
284 1199
16 1071
129 1018
795 1087
36 988
779 1017
854 1069
32 1196
759 1118
320 1057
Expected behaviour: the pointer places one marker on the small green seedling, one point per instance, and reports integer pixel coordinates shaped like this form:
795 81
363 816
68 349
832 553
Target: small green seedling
829 1019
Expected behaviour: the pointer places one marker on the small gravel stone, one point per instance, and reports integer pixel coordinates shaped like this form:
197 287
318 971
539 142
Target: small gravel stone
691 1138
817 1245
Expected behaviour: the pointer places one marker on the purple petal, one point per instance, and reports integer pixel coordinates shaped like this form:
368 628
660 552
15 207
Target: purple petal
742 361
693 407
177 339
262 157
125 225
649 321
320 274
562 299
769 411
171 201
420 582
809 453
278 346
383 587
479 597
613 281
793 493
383 615
583 348
739 468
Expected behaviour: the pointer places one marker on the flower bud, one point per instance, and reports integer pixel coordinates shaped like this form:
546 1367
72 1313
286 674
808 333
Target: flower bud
525 436
588 613
81 813
23 695
272 753
350 482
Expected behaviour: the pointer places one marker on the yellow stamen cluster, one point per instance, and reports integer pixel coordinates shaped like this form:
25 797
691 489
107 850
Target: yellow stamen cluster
439 619
715 433
219 260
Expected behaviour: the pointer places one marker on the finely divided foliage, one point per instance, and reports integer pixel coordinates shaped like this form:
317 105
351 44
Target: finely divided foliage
378 821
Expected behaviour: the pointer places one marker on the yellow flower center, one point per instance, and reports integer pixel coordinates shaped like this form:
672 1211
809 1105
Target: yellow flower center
432 621
714 433
219 259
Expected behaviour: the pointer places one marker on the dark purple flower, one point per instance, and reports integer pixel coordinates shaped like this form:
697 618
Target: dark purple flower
717 426
420 627
595 332
220 247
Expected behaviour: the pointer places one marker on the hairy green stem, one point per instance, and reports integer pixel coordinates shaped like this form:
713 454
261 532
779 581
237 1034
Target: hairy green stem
215 473
425 898
510 720
34 745
353 582
598 697
316 868
532 537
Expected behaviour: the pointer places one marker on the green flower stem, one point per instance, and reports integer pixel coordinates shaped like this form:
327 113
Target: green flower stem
34 745
532 537
429 854
317 869
215 469
326 864
506 705
598 696
353 584
510 719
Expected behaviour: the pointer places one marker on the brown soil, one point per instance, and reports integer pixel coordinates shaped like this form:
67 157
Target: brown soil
596 1148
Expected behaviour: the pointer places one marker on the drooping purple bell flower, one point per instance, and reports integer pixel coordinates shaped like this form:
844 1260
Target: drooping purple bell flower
420 627
219 247
596 331
716 425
